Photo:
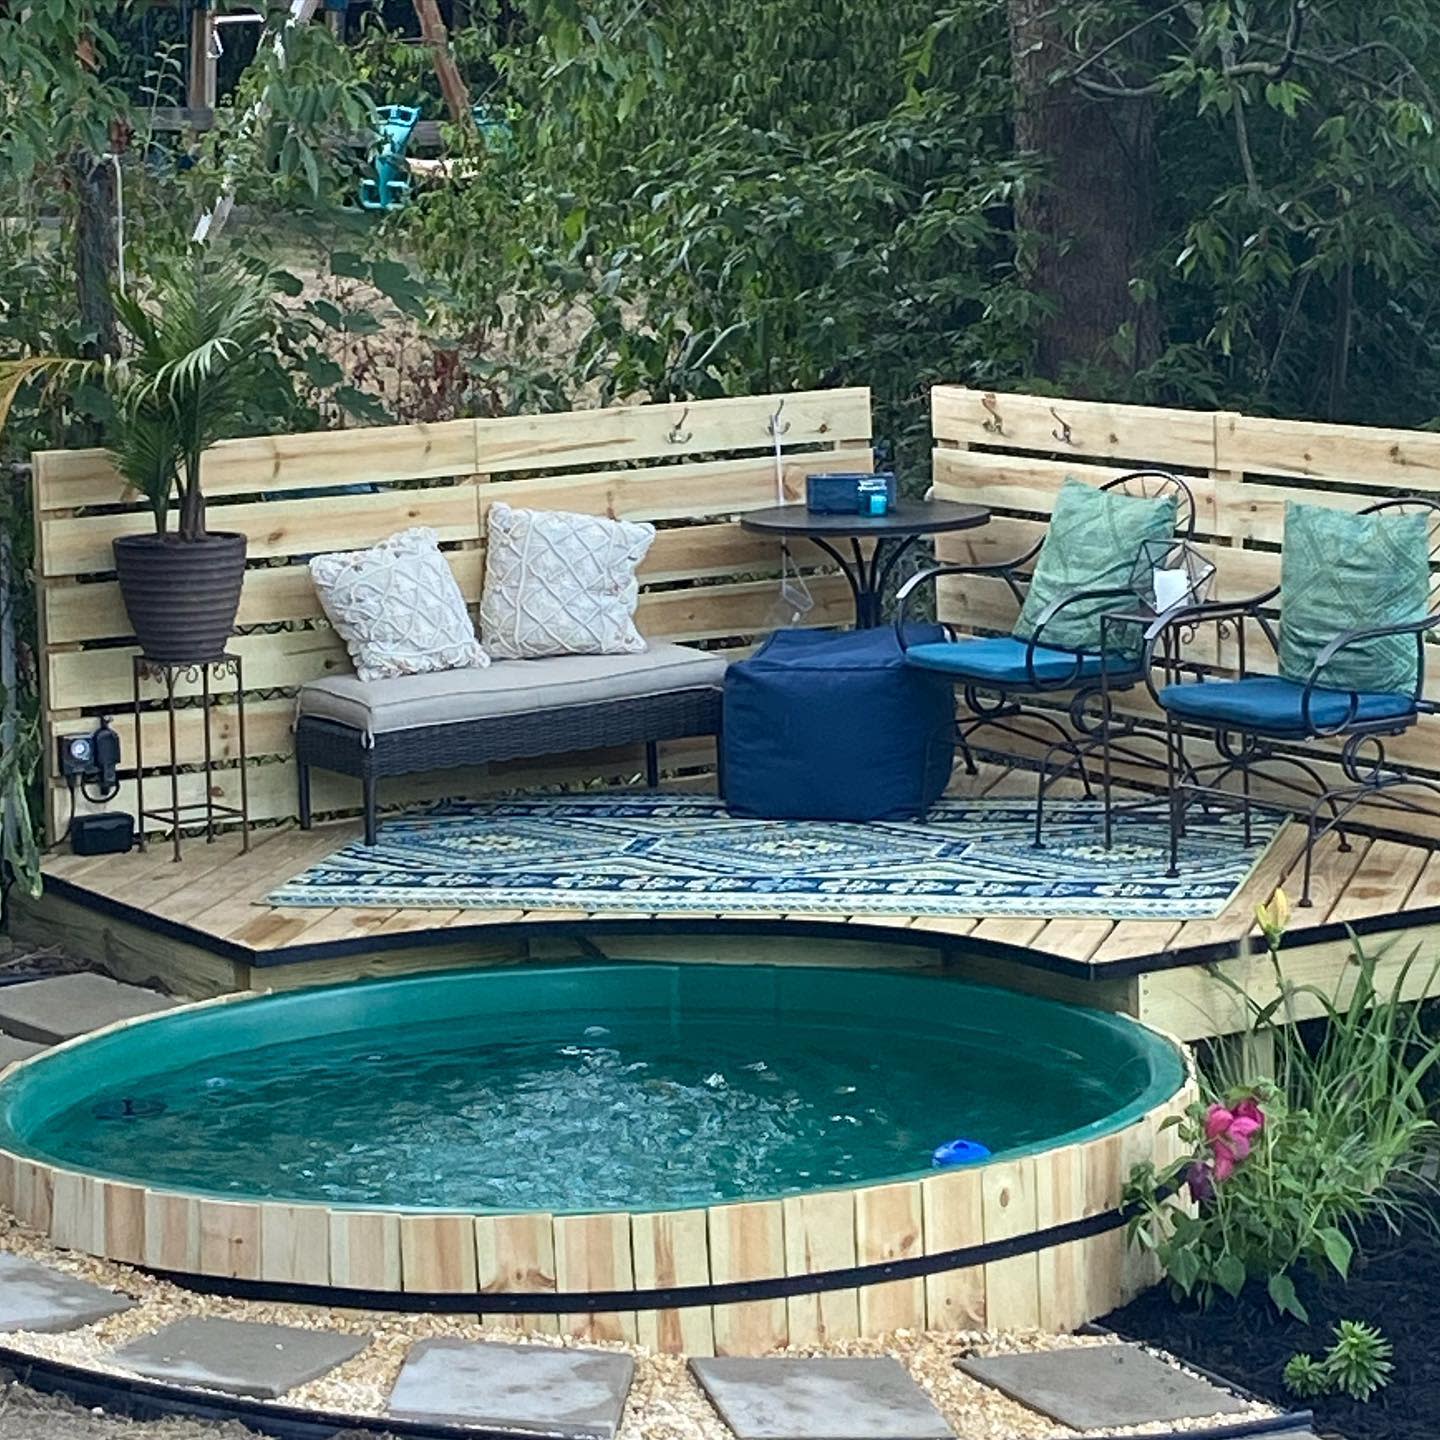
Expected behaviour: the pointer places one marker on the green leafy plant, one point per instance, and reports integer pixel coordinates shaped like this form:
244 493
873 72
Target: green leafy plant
1280 1175
1357 1364
200 354
1360 1361
1306 1378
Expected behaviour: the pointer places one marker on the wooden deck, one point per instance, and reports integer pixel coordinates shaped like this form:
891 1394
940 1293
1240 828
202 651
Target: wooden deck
202 927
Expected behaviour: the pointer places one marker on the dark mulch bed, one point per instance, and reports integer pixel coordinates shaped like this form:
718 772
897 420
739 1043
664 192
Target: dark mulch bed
1395 1286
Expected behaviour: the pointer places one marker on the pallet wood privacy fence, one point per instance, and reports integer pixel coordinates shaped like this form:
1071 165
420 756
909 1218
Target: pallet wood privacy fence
1054 1287
1013 452
689 468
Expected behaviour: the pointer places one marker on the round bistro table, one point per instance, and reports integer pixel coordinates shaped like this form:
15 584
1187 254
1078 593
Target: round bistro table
892 535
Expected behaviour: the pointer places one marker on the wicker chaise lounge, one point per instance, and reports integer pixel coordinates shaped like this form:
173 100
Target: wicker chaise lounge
510 710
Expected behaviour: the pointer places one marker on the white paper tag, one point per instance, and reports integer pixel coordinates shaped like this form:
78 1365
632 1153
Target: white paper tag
1171 587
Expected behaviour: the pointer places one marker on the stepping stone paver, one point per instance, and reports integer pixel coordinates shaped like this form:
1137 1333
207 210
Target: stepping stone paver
239 1356
820 1399
64 1006
12 1049
1102 1387
39 1298
574 1394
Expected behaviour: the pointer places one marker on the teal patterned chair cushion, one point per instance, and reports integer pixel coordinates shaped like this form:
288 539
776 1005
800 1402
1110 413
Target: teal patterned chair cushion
1092 544
1343 572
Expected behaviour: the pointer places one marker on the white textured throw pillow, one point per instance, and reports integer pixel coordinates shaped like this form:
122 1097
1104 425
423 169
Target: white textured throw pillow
560 584
398 607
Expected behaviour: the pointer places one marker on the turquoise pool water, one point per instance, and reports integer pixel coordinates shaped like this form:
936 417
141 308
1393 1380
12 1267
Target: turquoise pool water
582 1087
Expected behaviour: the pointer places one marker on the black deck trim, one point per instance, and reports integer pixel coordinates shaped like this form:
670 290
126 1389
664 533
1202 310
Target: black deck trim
579 929
140 1399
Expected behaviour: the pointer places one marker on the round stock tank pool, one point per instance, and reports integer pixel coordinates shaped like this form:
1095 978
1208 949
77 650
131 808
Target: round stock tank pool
671 1131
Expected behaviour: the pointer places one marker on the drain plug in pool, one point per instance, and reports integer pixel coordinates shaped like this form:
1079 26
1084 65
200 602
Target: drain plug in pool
129 1109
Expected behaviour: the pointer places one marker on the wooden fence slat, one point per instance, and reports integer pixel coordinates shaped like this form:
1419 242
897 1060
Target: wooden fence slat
677 492
952 1203
747 1242
889 1226
1012 1287
365 1250
124 1222
673 1248
1353 454
650 432
820 1235
77 1214
1029 483
81 545
1038 422
437 1252
1060 1198
230 1239
517 1253
593 1252
295 1244
172 1231
71 479
272 595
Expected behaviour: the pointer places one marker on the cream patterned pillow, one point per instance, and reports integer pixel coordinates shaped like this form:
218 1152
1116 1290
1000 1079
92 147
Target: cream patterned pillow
398 607
560 584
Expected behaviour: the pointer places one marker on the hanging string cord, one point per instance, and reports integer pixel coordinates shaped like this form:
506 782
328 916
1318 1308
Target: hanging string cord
794 592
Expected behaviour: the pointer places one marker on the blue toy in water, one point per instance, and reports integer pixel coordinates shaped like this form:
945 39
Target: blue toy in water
960 1152
389 187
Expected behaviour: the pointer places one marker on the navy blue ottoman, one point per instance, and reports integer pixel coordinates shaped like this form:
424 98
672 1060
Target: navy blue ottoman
833 725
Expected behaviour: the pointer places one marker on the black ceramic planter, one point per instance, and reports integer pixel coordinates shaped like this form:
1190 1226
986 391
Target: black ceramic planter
181 595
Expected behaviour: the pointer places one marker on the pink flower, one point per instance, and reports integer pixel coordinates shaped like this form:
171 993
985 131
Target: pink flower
1197 1177
1230 1133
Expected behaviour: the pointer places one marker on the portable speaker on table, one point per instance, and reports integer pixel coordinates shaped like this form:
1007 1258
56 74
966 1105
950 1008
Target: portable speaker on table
850 493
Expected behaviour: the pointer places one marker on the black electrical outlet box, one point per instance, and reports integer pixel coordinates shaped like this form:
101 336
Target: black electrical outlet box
110 833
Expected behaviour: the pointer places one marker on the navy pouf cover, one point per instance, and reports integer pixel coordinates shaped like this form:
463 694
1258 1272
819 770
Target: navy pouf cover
833 725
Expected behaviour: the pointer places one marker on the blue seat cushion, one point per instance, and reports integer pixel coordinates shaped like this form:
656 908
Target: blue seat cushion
1001 661
1272 705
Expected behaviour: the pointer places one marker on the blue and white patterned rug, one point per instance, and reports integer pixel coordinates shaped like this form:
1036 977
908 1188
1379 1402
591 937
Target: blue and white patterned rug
680 853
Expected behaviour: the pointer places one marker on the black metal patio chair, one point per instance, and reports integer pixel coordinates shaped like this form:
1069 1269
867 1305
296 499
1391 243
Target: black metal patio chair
1259 719
1001 677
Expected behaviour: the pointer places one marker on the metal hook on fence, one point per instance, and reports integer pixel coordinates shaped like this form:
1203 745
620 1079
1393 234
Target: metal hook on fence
1063 434
678 434
775 428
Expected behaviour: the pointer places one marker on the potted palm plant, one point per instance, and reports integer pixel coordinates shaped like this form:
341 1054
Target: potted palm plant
197 355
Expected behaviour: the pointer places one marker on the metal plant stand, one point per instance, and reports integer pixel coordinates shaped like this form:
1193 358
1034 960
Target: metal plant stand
171 673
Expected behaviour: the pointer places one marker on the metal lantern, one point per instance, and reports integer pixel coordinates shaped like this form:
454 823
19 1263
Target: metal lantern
1168 573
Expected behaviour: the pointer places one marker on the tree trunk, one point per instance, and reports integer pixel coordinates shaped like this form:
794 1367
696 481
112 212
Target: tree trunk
1090 215
92 181
437 38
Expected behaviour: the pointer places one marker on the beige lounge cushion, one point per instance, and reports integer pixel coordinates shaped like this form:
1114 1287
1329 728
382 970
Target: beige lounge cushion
508 687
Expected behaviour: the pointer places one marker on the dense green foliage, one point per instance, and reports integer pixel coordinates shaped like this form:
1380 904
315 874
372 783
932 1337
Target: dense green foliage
834 203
